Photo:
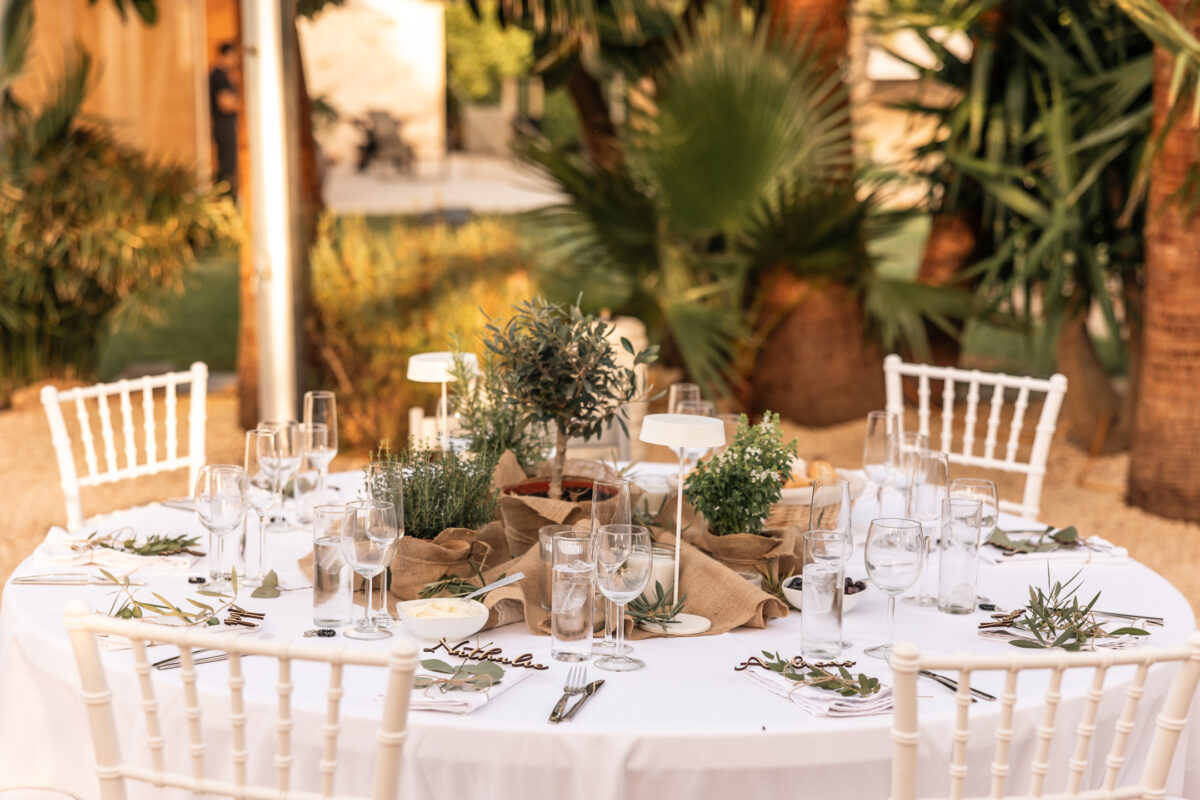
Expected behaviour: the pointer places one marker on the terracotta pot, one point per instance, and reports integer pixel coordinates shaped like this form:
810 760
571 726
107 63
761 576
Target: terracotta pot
524 513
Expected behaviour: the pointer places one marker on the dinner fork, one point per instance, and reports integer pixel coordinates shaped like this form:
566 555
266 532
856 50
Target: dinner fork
175 662
575 684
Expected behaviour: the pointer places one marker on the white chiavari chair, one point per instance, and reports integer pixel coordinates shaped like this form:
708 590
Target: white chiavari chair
113 771
124 393
1032 465
1006 777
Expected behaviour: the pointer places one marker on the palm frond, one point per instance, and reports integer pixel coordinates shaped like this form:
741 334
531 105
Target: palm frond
57 116
16 35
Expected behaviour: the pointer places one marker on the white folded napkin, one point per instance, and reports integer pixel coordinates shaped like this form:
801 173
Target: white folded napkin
433 698
822 702
1093 550
56 549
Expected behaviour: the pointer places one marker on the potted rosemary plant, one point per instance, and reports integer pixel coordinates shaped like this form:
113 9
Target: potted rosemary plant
558 366
734 491
450 527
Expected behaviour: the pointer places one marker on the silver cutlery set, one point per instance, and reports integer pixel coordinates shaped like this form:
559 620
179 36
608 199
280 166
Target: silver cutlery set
575 685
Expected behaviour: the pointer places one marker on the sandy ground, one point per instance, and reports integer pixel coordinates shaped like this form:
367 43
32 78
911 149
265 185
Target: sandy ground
32 499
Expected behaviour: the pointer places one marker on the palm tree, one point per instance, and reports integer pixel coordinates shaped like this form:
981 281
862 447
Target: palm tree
1162 473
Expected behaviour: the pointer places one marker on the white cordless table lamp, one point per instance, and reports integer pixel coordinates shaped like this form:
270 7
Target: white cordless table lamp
436 368
680 431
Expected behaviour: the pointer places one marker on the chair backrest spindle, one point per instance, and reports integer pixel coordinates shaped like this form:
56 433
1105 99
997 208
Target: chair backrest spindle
907 661
400 662
966 453
52 401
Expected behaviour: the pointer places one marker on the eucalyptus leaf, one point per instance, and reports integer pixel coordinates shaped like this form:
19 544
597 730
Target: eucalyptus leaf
269 588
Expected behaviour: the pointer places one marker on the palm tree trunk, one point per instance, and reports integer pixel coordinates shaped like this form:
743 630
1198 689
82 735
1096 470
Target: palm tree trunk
827 20
1163 477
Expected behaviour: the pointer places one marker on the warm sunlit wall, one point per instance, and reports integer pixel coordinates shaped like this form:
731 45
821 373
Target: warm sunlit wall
149 83
380 54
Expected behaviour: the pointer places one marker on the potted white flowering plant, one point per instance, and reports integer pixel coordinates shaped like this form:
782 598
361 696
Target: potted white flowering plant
734 491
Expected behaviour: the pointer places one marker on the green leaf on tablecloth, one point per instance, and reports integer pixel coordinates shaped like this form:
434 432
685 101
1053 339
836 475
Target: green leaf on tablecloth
1129 631
269 588
1068 536
437 665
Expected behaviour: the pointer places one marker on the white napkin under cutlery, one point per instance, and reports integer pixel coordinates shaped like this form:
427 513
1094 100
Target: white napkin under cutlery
822 702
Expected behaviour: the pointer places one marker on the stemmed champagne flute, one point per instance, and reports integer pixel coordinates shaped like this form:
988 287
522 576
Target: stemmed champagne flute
879 450
681 393
369 539
220 501
286 463
909 445
699 408
614 509
623 559
929 486
894 556
262 488
320 434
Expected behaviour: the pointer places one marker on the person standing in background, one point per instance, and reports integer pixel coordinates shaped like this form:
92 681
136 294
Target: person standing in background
223 108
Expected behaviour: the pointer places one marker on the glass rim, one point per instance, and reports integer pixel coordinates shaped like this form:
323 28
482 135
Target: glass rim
825 534
578 534
973 482
319 393
328 507
902 523
369 505
223 468
610 482
622 528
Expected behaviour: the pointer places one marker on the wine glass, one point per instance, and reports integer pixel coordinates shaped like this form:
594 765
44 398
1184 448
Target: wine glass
699 408
895 554
287 461
929 485
623 559
830 507
370 535
385 481
680 393
320 434
879 450
220 500
615 509
262 487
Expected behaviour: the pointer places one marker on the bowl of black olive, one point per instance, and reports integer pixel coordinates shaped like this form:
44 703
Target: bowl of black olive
793 590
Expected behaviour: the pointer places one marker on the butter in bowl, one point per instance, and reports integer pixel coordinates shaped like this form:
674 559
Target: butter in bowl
439 618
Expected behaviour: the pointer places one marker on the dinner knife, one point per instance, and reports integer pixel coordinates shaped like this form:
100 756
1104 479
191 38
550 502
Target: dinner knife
588 691
66 580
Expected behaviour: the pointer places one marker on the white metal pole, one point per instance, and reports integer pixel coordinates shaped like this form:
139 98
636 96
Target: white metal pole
265 108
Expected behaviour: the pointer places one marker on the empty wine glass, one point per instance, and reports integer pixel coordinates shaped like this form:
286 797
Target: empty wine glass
699 408
895 553
614 509
385 481
623 560
681 393
290 449
929 486
984 491
320 434
369 539
220 500
879 450
262 489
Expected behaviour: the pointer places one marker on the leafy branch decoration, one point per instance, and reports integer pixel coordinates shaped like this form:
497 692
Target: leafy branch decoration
831 676
1045 541
659 611
465 677
133 608
156 545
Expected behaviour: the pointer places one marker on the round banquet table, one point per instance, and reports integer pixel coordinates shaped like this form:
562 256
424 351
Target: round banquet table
687 726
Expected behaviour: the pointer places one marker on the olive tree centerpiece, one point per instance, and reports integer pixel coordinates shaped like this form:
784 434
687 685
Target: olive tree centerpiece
558 365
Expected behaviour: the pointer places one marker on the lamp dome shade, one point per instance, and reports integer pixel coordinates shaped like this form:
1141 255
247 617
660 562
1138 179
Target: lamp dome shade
435 367
683 430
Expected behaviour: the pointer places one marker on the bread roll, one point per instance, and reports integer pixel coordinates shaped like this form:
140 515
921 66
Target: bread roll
821 471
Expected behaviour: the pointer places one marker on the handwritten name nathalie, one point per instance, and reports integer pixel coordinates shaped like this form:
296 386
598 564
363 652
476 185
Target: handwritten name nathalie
485 652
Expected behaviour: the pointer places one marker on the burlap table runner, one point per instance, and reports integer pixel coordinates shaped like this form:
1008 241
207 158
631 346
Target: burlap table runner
713 591
524 515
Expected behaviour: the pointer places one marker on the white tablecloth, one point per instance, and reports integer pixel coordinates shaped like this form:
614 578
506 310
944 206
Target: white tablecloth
687 726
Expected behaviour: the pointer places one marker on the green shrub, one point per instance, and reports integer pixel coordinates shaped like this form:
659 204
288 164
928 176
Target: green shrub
380 296
442 489
90 230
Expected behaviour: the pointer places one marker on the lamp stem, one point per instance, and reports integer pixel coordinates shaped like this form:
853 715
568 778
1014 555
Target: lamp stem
678 528
445 419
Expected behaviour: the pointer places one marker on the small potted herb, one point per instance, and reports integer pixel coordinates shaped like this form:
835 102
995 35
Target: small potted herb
734 491
559 367
450 526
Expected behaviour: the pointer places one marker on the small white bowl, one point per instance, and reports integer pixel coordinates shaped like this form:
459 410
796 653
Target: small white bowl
452 629
849 601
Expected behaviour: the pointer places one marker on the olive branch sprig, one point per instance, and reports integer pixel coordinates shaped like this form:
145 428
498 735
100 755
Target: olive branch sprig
659 611
1056 618
832 676
156 545
466 677
133 608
